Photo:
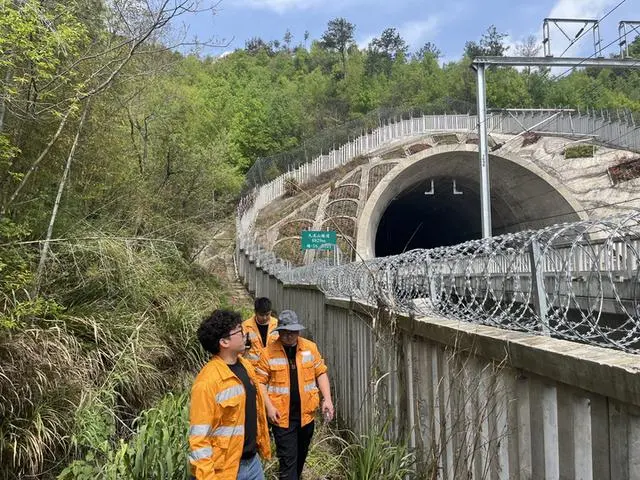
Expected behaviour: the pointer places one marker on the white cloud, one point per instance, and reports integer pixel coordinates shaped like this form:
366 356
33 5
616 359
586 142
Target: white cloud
579 8
283 6
416 33
364 41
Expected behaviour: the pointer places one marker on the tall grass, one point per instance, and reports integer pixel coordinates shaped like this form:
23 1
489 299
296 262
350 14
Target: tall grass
158 448
74 378
375 456
343 455
325 461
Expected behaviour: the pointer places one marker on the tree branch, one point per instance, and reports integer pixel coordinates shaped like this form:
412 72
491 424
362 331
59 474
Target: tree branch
35 164
56 205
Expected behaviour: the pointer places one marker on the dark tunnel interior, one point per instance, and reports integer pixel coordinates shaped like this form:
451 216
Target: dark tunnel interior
422 218
437 203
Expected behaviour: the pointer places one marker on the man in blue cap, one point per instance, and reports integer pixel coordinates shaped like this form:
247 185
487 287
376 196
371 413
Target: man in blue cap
292 375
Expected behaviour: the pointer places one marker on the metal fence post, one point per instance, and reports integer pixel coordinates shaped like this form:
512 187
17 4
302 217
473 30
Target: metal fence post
537 285
430 278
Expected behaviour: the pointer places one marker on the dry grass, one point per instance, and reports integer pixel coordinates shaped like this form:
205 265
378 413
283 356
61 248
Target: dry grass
394 154
122 338
282 207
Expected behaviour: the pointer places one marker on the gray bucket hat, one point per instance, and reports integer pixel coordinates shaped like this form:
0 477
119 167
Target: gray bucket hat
288 320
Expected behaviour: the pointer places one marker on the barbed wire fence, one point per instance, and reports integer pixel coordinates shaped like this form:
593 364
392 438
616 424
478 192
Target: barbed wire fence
576 281
573 281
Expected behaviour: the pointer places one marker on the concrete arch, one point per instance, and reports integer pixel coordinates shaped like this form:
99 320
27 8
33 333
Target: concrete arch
523 195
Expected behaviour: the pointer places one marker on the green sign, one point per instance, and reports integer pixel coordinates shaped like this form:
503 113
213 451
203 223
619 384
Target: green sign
314 240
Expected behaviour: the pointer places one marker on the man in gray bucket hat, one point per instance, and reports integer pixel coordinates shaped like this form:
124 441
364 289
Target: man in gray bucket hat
292 375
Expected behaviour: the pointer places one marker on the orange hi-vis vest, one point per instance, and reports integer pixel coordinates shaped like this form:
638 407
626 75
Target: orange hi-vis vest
216 431
273 371
250 326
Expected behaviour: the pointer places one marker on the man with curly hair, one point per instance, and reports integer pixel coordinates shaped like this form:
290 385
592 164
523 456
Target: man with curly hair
228 425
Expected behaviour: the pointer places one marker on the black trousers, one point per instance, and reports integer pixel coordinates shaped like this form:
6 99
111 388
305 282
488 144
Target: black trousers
292 446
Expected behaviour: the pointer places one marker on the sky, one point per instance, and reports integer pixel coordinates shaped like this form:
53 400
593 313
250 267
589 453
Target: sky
447 23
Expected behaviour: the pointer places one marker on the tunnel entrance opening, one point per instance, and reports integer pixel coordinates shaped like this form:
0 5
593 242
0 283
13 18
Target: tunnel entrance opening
404 212
426 217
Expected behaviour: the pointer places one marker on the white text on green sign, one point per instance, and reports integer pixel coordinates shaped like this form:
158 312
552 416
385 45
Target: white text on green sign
318 240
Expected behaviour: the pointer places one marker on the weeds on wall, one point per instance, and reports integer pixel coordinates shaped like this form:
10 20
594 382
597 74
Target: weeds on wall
460 404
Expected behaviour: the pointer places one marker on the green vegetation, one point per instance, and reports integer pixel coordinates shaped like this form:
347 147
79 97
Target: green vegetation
375 456
157 450
120 157
579 151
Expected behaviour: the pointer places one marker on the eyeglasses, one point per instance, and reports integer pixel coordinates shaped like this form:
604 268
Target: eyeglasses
237 331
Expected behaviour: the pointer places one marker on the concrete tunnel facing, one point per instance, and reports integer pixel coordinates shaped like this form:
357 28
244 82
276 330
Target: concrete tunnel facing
404 212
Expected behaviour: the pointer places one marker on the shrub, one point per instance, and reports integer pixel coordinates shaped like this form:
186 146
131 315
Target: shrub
579 151
530 138
158 448
291 187
375 456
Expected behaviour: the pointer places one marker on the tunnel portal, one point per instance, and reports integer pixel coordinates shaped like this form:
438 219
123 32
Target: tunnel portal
435 201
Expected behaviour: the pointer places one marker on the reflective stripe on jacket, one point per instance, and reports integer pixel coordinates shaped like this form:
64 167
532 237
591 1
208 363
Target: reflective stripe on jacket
251 327
273 371
216 430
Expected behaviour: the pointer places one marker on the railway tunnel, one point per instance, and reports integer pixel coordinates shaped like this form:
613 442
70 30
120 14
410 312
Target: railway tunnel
435 201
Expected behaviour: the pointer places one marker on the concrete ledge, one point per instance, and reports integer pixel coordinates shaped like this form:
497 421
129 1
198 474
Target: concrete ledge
599 370
301 286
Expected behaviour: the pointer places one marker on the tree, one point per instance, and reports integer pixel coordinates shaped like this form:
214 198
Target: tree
491 45
506 88
634 47
133 29
255 45
288 38
428 50
529 47
382 52
390 44
338 37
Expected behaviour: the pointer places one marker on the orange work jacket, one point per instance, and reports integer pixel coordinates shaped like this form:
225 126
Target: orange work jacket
251 327
216 431
273 371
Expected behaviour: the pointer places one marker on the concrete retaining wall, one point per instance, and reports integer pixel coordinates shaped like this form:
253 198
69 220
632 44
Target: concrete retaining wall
474 401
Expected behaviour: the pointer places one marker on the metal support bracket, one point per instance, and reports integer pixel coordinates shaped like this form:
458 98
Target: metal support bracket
585 22
537 285
622 34
430 192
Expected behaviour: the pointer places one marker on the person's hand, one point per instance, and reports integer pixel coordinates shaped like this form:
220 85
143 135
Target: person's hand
273 414
327 409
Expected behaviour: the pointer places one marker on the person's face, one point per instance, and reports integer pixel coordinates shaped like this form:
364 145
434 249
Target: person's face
289 338
235 341
263 318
